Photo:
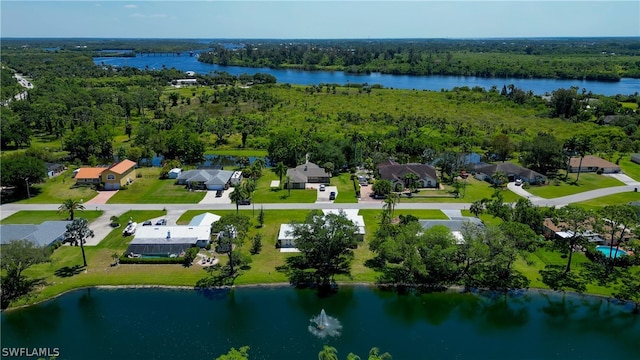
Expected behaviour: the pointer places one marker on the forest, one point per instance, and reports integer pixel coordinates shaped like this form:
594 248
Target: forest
591 58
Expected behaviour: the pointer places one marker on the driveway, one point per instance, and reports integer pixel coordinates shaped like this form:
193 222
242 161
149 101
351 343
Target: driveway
524 193
323 196
102 227
624 178
101 198
366 194
211 198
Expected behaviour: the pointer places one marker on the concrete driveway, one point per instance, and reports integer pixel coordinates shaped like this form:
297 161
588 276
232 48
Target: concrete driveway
211 198
323 196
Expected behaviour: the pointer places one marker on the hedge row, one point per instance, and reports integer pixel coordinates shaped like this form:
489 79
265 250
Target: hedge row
167 260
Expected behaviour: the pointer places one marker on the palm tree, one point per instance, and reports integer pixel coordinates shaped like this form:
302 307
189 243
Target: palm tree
236 196
390 203
70 206
328 353
77 233
499 179
281 170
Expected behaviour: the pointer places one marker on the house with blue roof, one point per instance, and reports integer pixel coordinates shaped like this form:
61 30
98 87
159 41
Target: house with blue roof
43 234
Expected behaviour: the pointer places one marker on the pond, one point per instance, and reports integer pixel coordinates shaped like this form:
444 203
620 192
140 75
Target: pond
276 323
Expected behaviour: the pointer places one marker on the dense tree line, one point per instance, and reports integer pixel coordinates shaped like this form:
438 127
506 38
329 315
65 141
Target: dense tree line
593 59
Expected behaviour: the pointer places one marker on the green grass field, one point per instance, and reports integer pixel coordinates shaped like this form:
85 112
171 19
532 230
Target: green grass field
58 189
587 181
40 216
264 194
346 192
150 189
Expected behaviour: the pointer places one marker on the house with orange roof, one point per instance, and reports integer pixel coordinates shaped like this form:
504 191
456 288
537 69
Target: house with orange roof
119 174
112 177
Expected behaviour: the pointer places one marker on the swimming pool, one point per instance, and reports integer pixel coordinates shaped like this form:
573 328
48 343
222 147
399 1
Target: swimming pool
607 251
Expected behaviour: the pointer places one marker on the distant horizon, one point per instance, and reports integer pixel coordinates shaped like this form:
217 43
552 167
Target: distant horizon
322 39
317 19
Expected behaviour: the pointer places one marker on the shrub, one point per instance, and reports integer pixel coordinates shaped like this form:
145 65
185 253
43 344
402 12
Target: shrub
599 171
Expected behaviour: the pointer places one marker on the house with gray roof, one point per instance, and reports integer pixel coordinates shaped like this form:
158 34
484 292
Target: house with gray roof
512 171
42 235
455 225
307 173
397 174
205 179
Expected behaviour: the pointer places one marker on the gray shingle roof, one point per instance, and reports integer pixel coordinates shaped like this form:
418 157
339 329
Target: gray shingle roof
207 176
42 235
302 172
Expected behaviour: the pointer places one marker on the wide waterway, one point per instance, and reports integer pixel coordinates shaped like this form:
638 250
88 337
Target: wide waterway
274 322
185 62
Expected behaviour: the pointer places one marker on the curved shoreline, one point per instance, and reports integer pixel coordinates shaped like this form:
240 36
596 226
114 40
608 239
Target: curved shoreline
283 284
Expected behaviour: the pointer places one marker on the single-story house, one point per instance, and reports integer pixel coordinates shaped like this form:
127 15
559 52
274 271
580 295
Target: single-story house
53 169
396 173
552 230
113 177
287 240
169 241
307 173
592 163
352 214
204 219
174 173
455 225
42 235
119 174
185 82
88 175
209 179
514 172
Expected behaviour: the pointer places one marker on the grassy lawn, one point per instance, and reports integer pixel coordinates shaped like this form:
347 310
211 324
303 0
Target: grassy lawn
630 168
58 189
40 216
150 189
475 190
346 192
265 195
238 152
588 181
615 199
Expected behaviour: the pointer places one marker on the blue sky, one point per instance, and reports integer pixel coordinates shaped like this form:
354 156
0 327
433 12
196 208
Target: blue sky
318 19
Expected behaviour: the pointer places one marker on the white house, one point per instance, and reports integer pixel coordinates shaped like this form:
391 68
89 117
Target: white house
287 241
204 219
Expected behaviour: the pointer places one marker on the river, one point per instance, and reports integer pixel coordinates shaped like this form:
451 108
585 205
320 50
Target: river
274 322
538 86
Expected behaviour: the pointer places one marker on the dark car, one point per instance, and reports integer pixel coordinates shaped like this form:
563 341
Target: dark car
161 222
244 202
332 195
147 223
219 193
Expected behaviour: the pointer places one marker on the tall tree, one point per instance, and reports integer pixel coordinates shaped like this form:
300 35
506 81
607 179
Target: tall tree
77 233
575 221
501 146
233 230
70 206
238 194
619 221
390 203
281 170
15 257
326 244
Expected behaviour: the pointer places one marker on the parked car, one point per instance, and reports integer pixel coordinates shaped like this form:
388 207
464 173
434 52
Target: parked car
244 202
219 193
161 222
332 195
322 187
518 182
147 223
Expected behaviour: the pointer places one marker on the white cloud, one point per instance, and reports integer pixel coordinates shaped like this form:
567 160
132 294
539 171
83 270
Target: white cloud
158 16
137 15
131 6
